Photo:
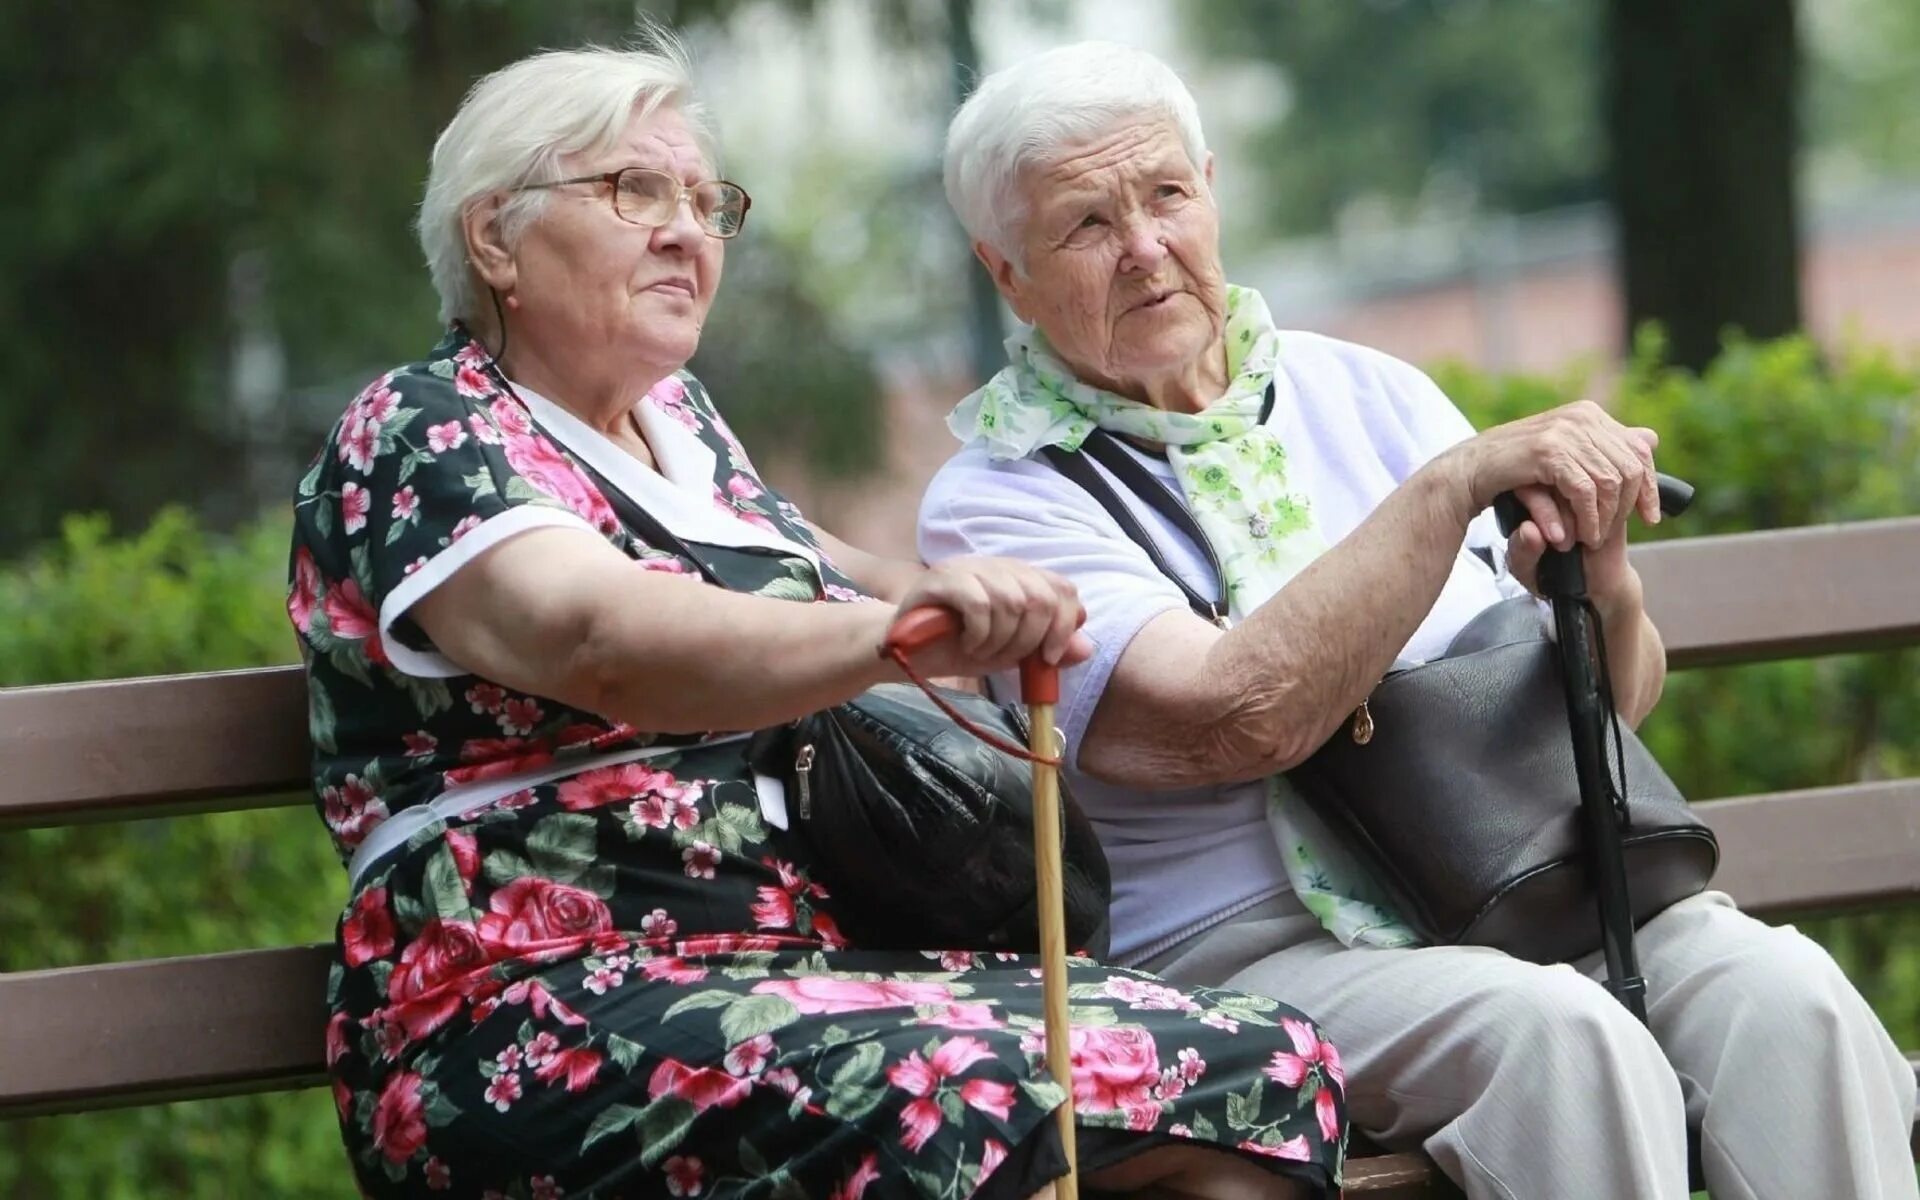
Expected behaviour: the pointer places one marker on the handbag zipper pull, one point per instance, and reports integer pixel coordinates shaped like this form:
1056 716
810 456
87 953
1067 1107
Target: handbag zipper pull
1362 726
803 773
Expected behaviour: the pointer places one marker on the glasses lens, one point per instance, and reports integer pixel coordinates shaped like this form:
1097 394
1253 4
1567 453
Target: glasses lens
645 197
722 207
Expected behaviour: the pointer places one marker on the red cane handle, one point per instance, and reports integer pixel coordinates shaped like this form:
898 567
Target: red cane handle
920 628
916 630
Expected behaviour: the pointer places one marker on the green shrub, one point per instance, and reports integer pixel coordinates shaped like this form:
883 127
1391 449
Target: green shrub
1777 435
168 599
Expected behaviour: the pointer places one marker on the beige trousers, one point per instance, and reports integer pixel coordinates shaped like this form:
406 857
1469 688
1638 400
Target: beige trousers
1532 1083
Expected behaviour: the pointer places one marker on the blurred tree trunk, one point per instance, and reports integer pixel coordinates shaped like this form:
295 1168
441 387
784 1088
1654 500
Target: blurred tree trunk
1700 118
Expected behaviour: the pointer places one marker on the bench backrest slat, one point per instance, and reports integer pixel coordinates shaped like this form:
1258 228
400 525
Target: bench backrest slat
1821 848
1785 593
148 747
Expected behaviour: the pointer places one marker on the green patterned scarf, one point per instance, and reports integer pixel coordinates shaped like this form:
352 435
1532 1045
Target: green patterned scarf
1233 473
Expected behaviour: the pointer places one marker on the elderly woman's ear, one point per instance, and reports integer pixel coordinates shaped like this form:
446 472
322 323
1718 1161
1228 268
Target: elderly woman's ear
486 248
1003 272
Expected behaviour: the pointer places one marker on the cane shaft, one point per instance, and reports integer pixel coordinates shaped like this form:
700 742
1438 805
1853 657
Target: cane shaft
1053 931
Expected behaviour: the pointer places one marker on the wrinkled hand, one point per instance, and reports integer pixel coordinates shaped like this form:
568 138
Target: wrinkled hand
1612 583
1578 471
1007 609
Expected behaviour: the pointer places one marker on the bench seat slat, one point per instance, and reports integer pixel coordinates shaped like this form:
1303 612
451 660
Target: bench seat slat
162 1029
1784 593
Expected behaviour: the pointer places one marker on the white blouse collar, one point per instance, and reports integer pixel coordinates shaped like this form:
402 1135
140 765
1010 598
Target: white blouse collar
680 495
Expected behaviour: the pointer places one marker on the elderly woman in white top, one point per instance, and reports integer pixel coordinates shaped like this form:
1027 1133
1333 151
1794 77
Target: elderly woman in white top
1344 494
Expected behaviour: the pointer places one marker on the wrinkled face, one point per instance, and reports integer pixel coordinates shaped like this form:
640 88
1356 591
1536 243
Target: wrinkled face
1121 257
591 283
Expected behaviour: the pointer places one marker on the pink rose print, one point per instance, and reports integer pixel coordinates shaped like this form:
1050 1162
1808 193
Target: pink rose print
355 503
686 1176
921 1118
855 1185
773 910
400 1118
439 1175
423 987
542 1049
1115 1067
466 854
337 1037
367 933
509 1058
352 810
828 931
485 698
483 430
446 436
702 1087
359 444
700 859
405 504
965 1016
672 970
471 383
575 1068
1138 993
751 1056
742 488
543 466
350 616
1294 1149
378 402
1220 1021
534 915
519 716
512 418
472 355
956 960
420 743
305 593
670 397
815 994
657 924
466 526
991 1156
1314 1059
503 1091
490 758
544 1188
633 781
666 564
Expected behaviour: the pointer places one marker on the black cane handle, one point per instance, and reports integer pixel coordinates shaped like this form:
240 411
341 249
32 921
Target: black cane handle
1560 570
1675 495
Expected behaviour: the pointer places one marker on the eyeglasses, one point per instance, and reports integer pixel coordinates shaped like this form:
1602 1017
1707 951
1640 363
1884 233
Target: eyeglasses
647 197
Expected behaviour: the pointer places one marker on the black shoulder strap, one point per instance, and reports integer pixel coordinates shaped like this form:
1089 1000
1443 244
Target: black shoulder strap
1106 449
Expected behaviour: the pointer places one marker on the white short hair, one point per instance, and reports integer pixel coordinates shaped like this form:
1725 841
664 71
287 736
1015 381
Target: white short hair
515 126
1026 113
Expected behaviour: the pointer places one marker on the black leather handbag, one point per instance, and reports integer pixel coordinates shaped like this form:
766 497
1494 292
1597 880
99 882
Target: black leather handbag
921 832
1454 784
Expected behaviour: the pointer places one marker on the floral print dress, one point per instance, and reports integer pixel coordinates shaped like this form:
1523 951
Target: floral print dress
623 978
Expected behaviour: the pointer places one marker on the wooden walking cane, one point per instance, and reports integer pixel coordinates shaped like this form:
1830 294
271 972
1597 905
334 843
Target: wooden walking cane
1039 691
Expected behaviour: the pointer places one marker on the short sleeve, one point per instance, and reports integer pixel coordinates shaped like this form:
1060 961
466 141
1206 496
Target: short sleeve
1024 510
429 467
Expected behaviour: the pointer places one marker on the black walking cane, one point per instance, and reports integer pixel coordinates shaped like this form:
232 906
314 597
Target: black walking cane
1583 674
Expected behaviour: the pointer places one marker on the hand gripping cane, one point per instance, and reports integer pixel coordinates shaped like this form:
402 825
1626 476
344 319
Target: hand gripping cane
1589 692
1039 691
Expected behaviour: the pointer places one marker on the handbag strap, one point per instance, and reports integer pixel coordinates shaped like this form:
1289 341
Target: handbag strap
1106 449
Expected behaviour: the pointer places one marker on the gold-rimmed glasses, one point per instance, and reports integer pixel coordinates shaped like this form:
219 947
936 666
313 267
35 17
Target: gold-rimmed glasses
644 196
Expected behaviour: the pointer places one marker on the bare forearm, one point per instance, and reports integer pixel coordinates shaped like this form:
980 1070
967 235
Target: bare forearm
715 660
1636 657
1193 707
1305 659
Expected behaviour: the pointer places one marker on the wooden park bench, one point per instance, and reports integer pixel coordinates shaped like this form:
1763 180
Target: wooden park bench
142 1033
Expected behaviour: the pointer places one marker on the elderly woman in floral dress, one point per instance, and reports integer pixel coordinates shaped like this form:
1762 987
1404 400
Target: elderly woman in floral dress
583 954
1344 498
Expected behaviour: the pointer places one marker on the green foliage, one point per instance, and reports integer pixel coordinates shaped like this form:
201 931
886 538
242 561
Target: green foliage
1774 435
167 599
196 178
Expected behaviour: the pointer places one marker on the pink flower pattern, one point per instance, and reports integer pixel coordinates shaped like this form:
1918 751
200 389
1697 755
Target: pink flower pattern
531 951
